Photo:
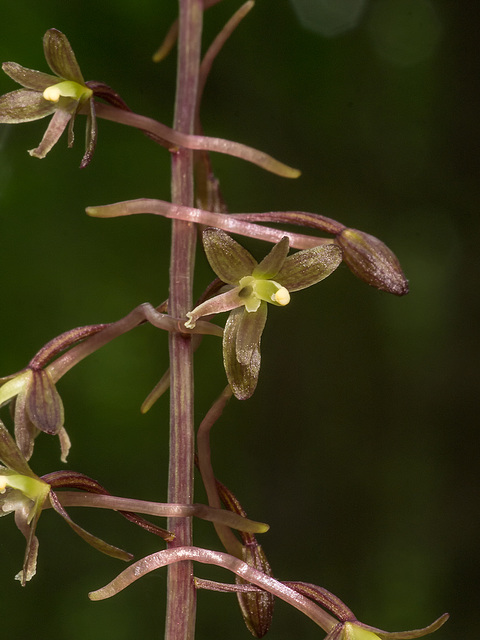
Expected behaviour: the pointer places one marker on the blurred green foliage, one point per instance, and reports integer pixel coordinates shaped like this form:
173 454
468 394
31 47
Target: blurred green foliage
360 446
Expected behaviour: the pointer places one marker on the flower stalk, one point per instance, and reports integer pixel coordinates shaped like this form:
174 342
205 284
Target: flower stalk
181 598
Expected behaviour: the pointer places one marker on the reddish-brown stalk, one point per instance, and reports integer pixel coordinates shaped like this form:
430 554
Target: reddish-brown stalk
180 618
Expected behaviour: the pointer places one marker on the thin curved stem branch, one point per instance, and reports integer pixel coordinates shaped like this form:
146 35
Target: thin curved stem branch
233 564
178 139
143 313
231 222
164 510
228 539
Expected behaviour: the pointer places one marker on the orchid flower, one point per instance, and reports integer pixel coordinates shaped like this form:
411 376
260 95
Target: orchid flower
24 493
249 287
62 95
37 407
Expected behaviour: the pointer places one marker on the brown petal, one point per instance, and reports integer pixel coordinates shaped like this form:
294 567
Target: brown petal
52 134
29 78
250 332
44 405
60 57
242 378
24 105
228 259
92 540
27 526
91 136
273 261
307 267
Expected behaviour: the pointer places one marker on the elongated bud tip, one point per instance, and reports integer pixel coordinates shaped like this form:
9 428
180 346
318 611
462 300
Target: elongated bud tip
372 261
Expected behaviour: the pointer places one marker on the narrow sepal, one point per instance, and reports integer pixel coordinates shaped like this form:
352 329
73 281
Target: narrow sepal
29 78
307 267
70 131
44 404
273 261
54 130
228 259
60 57
75 480
25 430
242 378
24 105
11 455
27 525
90 137
92 540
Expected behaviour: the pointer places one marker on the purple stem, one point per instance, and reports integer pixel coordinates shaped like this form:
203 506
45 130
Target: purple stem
164 510
181 596
228 539
206 556
233 223
177 138
143 313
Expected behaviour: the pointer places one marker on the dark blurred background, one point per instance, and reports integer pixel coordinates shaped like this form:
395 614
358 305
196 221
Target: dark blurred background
360 447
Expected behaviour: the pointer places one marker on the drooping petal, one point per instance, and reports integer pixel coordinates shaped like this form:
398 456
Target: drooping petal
242 378
25 430
307 267
65 444
249 333
60 57
27 525
44 404
70 132
92 540
91 136
55 129
273 261
24 105
228 259
30 498
28 78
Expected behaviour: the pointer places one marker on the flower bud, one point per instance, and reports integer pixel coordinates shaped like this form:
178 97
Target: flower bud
43 403
372 261
256 606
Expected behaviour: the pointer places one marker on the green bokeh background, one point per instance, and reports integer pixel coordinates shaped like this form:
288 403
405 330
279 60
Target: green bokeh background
360 447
